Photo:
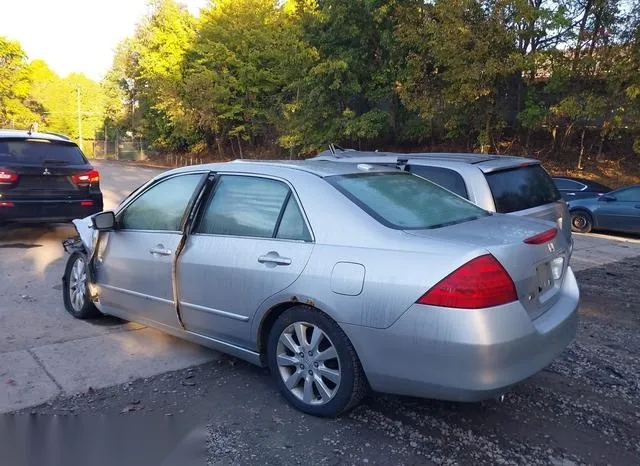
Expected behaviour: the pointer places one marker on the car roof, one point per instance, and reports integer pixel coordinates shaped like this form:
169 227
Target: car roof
321 168
485 162
24 134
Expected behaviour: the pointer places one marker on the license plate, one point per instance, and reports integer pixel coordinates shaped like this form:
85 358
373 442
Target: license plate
545 278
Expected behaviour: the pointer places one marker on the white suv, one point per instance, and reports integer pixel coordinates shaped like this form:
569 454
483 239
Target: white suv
497 183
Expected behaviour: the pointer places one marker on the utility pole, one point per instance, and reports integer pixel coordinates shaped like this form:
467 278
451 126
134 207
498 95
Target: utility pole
79 117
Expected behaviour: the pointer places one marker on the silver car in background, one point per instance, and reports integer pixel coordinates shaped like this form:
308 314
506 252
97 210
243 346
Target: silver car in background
338 277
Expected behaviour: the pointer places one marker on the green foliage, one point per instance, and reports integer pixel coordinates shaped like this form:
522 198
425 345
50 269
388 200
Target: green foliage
15 82
249 76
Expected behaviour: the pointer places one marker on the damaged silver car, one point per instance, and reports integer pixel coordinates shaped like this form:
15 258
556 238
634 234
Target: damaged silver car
339 277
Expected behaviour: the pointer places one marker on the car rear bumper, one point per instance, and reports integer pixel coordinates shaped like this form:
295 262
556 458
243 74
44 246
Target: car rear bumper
49 210
465 355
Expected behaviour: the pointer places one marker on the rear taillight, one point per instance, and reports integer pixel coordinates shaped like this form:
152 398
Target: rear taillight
8 177
89 177
86 203
481 282
543 237
6 204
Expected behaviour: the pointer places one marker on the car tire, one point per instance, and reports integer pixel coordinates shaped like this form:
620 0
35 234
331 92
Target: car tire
317 383
581 221
75 290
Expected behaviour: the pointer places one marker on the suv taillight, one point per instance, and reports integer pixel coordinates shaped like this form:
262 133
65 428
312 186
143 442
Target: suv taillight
92 176
7 176
481 282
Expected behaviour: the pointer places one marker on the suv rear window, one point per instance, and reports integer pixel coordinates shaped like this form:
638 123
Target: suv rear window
40 152
405 202
522 188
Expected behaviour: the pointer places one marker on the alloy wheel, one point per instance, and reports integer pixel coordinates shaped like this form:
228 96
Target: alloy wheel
78 284
308 363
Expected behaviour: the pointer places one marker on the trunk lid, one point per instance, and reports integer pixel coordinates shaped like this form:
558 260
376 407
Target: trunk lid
529 265
557 212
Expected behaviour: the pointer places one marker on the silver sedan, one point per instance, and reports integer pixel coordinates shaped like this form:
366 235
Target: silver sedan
339 277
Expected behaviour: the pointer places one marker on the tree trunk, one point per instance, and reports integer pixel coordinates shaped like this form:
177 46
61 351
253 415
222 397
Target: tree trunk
583 26
601 145
485 147
240 146
581 150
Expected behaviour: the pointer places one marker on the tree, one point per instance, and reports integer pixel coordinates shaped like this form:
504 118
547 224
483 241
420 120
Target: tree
15 82
239 67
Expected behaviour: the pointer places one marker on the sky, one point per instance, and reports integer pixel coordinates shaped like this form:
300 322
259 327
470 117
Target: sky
74 35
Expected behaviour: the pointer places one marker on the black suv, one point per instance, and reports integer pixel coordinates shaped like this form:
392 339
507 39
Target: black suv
45 177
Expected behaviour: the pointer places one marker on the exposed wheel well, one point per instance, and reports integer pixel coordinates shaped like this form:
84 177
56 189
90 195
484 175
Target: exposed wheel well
267 322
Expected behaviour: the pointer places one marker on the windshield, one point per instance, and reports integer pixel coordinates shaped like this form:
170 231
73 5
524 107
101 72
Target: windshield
522 188
404 201
40 152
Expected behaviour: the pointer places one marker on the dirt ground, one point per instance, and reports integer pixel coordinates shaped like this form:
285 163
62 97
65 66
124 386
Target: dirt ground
583 409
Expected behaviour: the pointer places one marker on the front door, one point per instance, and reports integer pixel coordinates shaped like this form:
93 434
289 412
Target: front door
251 242
134 262
621 214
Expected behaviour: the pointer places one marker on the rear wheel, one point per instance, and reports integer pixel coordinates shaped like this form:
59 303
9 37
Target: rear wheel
581 221
314 363
75 288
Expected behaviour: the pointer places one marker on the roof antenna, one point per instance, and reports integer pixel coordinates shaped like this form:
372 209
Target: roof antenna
33 128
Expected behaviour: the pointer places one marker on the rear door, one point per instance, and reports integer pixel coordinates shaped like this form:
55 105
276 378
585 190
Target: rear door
45 169
621 214
250 242
529 191
134 262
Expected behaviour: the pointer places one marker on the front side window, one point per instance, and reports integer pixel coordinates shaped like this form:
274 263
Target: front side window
404 201
628 195
161 207
253 207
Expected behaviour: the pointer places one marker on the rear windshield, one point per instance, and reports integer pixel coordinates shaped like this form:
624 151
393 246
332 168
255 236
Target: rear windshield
404 201
522 188
40 152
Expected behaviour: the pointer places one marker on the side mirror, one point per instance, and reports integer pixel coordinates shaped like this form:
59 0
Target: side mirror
607 198
104 221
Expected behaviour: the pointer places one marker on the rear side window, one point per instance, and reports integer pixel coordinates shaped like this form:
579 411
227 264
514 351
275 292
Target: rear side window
522 188
40 152
568 185
254 207
444 177
404 201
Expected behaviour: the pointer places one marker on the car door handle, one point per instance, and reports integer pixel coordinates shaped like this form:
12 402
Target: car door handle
272 258
160 250
637 206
